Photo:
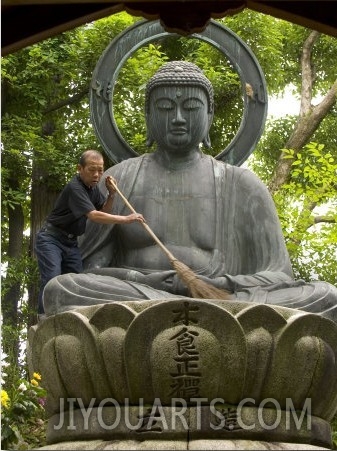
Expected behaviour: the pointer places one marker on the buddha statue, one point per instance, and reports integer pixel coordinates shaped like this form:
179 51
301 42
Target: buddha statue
219 219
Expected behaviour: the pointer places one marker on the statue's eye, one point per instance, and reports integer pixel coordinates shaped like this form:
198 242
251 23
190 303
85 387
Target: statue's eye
164 104
193 104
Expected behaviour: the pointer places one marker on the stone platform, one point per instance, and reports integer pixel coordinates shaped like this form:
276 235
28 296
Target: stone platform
187 374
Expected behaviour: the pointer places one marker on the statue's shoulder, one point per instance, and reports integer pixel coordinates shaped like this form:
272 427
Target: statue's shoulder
129 165
239 176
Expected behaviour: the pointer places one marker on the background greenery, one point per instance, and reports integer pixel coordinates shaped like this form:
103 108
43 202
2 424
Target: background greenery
46 126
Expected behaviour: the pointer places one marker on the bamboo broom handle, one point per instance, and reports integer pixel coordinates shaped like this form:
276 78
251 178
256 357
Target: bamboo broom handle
146 227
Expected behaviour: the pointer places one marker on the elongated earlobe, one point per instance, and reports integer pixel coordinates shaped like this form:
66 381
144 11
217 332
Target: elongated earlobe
149 137
149 140
207 141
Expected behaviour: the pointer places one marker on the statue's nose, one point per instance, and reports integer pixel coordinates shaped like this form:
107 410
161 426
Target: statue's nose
178 115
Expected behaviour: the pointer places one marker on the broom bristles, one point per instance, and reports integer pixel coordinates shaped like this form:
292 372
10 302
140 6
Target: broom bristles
197 287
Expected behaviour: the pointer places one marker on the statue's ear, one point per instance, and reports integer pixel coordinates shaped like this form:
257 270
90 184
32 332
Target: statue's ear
207 141
149 140
149 137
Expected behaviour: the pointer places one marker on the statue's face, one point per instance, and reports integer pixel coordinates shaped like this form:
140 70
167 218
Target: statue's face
178 119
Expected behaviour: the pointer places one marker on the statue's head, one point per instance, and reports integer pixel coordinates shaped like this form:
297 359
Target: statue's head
180 73
179 97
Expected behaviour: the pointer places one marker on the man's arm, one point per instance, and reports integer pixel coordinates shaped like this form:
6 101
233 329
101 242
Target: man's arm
107 207
104 215
110 183
106 218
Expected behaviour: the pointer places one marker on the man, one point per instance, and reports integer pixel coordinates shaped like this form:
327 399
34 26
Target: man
218 219
56 243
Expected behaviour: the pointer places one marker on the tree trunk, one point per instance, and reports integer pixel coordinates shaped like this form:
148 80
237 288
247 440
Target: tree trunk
42 201
13 295
309 119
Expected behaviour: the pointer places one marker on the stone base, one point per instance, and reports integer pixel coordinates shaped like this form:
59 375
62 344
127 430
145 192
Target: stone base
185 373
177 445
184 425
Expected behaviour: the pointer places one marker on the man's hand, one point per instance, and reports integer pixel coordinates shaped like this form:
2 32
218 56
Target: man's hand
134 217
110 184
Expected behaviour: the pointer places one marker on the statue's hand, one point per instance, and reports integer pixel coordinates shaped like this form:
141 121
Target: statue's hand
171 282
222 283
161 280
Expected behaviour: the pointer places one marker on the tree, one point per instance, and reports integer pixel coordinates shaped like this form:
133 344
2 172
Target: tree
297 158
310 116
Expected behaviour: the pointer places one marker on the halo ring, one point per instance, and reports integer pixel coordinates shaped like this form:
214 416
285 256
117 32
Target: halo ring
143 32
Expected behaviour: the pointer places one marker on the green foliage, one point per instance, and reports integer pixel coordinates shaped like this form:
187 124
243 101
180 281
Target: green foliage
266 36
326 133
16 164
21 270
313 172
22 413
269 148
308 213
277 45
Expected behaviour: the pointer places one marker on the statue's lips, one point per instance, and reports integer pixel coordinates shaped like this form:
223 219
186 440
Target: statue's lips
180 131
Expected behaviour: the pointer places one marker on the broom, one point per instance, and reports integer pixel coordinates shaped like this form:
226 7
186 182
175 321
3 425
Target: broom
198 288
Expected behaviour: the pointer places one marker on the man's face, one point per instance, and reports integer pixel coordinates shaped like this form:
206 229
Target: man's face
178 118
92 172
